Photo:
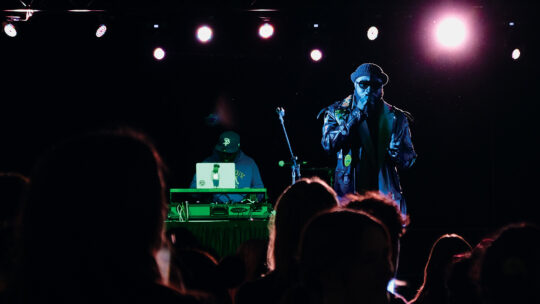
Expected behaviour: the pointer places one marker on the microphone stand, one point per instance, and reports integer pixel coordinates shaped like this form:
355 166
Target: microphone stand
295 167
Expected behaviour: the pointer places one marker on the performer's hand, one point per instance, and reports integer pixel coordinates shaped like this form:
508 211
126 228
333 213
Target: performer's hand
393 148
356 115
361 103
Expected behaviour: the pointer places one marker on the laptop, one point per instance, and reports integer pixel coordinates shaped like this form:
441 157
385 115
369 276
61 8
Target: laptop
215 175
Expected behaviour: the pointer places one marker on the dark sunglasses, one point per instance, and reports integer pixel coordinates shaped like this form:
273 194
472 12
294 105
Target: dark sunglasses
365 84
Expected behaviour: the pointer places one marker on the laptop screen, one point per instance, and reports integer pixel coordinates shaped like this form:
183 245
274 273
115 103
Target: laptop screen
215 175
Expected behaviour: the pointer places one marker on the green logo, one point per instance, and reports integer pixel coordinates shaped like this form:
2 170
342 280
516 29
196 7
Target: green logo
348 160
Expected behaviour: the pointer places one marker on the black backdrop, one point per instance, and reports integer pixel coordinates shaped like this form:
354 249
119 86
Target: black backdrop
475 127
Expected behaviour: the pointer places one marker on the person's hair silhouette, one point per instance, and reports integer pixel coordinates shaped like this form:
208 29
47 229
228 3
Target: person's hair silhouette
93 221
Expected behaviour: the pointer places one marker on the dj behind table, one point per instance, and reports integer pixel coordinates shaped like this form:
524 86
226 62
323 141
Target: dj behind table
226 203
226 168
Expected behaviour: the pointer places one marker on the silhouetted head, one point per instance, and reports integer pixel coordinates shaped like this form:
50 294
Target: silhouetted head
510 266
345 257
94 212
384 208
294 207
438 264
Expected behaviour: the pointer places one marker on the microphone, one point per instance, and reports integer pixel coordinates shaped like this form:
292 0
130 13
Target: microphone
281 112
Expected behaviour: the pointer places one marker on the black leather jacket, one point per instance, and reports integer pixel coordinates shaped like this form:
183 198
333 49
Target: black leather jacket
345 133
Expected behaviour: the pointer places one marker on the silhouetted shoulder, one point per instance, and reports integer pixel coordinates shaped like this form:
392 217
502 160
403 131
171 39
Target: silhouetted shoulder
399 111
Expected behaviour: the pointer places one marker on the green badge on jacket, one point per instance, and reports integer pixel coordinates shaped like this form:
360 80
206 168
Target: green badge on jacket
348 160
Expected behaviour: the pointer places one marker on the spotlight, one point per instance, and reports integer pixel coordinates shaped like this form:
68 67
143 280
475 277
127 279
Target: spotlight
159 53
511 23
102 29
372 33
316 55
393 283
10 30
204 34
266 30
156 26
515 54
451 32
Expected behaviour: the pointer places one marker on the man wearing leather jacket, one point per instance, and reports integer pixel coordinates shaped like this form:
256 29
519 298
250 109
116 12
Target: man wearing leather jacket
371 138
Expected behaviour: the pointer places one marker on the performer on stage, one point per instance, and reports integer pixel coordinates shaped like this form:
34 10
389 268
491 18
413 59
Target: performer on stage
372 138
247 173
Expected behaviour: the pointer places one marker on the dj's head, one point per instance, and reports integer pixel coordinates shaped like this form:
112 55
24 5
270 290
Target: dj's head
228 145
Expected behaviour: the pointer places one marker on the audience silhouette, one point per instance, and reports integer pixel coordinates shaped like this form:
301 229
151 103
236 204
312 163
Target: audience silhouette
509 267
12 186
295 206
385 209
92 222
344 257
90 228
199 275
434 287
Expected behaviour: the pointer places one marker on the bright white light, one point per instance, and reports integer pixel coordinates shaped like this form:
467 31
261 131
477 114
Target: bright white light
393 284
316 25
372 33
391 287
10 30
22 10
316 55
102 29
451 32
266 31
156 25
204 34
159 53
515 54
511 23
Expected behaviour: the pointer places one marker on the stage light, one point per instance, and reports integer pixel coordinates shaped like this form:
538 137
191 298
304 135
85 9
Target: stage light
511 23
393 284
316 25
316 55
266 30
204 34
102 29
159 53
10 30
515 54
156 26
391 287
451 32
372 33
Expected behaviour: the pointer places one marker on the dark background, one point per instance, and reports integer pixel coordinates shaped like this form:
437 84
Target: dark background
476 117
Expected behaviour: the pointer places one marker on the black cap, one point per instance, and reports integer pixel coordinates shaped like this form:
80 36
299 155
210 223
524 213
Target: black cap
229 142
372 70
